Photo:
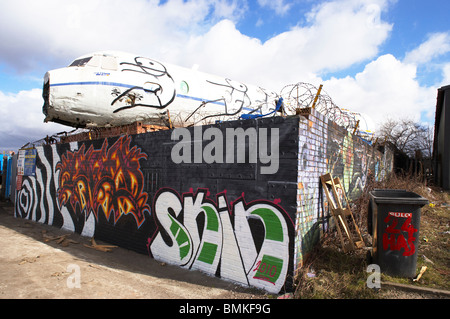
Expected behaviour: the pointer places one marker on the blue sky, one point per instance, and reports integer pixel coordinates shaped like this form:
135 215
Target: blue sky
381 58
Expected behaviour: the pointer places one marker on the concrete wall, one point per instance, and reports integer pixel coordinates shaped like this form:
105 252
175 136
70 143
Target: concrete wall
177 198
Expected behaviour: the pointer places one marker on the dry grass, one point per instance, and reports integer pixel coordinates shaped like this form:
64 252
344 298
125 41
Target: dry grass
330 273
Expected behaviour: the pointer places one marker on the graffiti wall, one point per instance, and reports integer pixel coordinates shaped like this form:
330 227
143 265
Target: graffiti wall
212 198
239 200
325 147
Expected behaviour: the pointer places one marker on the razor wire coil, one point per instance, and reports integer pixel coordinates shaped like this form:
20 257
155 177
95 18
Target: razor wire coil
302 95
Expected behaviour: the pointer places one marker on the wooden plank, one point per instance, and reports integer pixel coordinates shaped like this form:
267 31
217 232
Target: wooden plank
340 213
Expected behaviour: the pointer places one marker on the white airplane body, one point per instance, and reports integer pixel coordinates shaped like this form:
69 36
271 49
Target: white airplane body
105 89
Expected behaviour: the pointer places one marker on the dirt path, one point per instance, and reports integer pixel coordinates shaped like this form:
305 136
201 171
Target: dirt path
31 267
34 267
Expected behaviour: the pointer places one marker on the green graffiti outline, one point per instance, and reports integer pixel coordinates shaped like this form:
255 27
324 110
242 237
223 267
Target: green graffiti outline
274 229
181 237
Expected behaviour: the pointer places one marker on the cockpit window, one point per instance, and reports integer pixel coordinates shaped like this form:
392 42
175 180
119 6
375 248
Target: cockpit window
81 62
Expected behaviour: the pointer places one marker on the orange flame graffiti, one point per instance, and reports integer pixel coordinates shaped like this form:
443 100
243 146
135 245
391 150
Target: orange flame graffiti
107 179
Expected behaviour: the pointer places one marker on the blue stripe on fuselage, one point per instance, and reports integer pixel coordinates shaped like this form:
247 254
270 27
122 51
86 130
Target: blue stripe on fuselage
94 83
131 86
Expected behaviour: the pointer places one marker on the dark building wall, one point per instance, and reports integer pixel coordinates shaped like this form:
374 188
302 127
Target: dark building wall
441 149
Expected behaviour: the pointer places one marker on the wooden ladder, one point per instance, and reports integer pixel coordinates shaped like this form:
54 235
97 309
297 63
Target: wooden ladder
343 216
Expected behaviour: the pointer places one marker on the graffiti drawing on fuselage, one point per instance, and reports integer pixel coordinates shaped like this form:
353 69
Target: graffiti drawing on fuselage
157 91
236 96
247 243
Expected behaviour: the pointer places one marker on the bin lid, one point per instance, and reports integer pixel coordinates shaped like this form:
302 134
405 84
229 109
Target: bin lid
397 196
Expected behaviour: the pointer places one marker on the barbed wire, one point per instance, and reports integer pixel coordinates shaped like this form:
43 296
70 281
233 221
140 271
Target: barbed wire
304 95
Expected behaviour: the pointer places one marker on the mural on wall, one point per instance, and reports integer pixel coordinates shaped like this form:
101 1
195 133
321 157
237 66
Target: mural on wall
313 134
325 147
353 160
194 215
108 181
34 198
244 242
100 189
73 186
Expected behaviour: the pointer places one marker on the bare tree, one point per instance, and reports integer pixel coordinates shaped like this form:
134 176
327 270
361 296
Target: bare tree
408 136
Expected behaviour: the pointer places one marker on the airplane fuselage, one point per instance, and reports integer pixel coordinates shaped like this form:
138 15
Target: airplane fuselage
106 89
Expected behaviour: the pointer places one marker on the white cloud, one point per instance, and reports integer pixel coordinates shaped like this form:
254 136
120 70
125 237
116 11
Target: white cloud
436 45
22 119
386 88
389 87
225 51
50 30
343 33
339 34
